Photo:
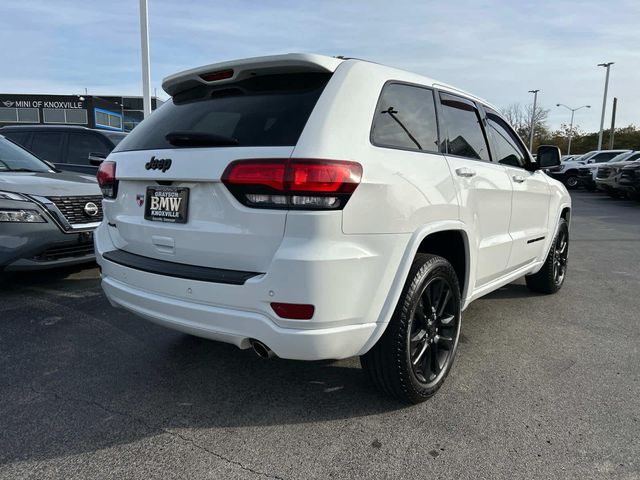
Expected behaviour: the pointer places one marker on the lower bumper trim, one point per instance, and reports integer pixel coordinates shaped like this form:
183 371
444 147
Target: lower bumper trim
178 270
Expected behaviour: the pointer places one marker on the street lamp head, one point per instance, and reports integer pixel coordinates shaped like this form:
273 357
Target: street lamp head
557 104
534 91
605 64
588 106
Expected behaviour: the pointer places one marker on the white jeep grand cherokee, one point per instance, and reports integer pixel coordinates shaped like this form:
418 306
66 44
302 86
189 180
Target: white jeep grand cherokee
319 208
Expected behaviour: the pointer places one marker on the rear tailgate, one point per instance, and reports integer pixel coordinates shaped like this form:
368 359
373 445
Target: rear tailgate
265 115
219 232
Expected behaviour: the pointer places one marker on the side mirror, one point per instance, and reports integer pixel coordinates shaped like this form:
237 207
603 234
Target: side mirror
548 157
96 158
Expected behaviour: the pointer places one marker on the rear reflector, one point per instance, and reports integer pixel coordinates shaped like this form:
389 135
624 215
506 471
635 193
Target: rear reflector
293 311
293 183
220 75
107 179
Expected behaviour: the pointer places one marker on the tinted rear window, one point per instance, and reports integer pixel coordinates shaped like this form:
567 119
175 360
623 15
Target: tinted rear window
406 118
265 111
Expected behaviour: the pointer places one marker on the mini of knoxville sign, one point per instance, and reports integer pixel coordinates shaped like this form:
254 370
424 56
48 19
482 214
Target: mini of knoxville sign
41 104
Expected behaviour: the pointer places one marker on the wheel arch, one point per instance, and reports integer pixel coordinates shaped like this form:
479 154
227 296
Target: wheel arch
434 236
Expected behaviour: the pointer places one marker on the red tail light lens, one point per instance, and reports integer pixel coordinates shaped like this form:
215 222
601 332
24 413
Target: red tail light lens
107 179
306 184
293 311
220 75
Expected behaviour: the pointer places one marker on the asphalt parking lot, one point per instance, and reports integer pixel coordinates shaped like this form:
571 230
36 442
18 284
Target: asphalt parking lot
543 386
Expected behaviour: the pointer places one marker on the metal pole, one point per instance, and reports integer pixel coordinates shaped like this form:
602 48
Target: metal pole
573 111
604 101
146 72
570 132
533 116
613 123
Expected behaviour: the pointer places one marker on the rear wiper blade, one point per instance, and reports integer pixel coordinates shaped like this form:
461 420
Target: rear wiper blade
199 139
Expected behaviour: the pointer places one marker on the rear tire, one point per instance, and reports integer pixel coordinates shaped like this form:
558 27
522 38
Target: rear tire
552 274
414 355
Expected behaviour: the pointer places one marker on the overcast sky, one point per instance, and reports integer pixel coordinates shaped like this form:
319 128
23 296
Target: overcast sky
496 49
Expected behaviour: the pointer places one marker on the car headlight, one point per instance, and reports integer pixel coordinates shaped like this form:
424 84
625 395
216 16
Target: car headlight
561 168
21 216
12 196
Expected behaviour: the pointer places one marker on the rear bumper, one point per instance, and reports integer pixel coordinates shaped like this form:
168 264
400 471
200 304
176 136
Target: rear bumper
347 285
239 327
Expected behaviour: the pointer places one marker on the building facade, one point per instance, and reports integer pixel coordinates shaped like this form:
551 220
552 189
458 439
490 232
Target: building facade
107 113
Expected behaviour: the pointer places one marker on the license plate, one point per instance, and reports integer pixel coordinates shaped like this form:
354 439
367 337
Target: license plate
167 204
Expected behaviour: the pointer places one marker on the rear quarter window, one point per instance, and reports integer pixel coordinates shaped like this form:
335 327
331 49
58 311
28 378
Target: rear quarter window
269 110
405 118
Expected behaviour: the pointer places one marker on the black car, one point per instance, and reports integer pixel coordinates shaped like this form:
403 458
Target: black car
75 149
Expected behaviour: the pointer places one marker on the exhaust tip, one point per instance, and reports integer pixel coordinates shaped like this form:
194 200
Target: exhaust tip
262 350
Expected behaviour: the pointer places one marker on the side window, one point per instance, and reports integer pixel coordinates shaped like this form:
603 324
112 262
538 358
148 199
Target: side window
604 156
509 151
406 118
47 145
80 145
463 125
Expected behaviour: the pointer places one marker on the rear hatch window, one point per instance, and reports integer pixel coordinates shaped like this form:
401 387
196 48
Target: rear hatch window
269 110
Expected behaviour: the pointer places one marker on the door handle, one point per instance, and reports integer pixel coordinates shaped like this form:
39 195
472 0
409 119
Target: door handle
518 178
465 172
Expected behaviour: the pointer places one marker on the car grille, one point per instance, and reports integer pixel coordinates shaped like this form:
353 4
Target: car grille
629 174
73 208
584 172
57 253
603 172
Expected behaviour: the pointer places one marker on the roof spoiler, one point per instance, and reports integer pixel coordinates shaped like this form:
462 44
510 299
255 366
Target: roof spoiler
233 71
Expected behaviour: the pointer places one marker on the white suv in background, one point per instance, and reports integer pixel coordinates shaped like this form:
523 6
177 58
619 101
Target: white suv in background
320 208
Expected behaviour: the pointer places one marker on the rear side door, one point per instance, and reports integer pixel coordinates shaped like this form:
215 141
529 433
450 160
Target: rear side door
48 146
484 189
79 146
530 204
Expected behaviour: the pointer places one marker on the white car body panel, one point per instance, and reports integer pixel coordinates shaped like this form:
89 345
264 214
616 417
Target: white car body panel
350 264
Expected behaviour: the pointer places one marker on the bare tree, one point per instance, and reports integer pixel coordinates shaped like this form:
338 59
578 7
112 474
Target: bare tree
519 116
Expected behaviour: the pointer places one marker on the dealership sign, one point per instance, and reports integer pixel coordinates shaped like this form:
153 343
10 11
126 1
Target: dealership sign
42 104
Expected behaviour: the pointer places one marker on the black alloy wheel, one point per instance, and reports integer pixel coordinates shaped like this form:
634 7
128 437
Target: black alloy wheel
433 331
560 256
551 277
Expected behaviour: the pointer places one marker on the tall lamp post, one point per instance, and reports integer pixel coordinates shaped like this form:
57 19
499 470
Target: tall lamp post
144 43
533 117
607 65
573 110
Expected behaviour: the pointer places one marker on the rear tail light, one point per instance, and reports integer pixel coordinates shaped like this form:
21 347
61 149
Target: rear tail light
107 179
296 184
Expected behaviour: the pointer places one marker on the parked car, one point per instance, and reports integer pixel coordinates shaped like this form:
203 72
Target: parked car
629 181
569 172
608 174
69 148
47 217
569 158
318 208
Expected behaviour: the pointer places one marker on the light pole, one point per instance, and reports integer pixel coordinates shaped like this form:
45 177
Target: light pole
573 110
533 117
607 65
144 43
